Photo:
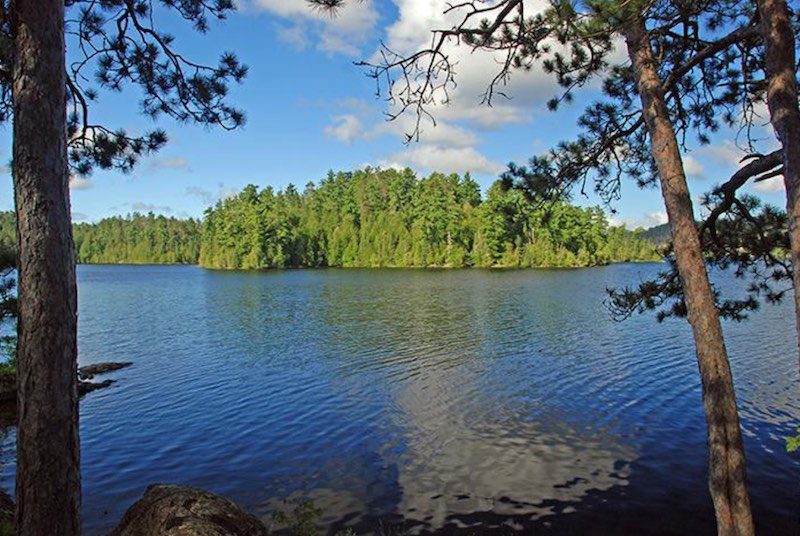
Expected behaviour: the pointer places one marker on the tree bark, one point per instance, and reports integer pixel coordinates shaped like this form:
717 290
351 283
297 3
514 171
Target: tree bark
778 37
727 478
48 477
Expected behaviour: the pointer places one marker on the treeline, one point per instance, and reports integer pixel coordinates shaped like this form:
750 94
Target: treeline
135 239
374 218
138 239
367 218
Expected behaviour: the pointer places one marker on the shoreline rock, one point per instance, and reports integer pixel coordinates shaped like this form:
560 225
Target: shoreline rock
90 371
88 387
172 510
8 382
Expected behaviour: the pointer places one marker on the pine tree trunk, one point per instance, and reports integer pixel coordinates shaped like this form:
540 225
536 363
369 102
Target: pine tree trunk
48 478
776 30
727 479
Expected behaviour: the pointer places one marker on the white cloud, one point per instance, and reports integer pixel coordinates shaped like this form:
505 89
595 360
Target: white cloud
730 157
79 216
296 35
204 195
441 133
225 193
352 126
452 144
77 182
340 33
445 159
655 218
387 164
348 128
772 185
443 146
529 90
694 169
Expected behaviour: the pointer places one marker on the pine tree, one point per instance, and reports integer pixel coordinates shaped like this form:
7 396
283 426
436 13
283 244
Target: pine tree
375 218
115 44
679 80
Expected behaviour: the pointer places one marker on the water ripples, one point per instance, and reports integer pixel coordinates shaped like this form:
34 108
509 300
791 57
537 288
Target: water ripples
426 400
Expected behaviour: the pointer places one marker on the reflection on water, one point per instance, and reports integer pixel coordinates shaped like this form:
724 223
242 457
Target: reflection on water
421 400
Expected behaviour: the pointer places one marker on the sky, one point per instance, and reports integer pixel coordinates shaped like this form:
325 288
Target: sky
310 109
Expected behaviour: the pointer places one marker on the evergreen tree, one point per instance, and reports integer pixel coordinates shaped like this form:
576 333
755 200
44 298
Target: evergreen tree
373 218
113 44
779 35
138 239
682 77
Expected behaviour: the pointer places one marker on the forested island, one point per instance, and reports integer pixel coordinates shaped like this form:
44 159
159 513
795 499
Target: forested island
366 218
392 218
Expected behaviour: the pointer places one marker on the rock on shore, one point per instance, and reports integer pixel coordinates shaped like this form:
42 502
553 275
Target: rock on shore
169 510
89 371
8 382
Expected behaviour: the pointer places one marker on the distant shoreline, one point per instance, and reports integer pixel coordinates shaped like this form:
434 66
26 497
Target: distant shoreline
431 267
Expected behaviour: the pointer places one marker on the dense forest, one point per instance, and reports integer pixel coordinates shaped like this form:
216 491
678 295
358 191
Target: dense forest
138 239
373 218
133 239
367 218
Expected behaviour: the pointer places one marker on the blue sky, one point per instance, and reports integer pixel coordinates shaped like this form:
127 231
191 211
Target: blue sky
309 109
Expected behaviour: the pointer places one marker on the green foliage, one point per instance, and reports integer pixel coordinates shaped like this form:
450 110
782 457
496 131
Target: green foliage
710 61
793 443
134 239
751 241
8 231
138 239
367 218
391 218
114 45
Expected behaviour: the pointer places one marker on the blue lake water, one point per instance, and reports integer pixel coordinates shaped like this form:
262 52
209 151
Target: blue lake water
466 401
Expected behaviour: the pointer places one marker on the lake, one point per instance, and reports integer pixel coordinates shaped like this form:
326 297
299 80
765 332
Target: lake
413 401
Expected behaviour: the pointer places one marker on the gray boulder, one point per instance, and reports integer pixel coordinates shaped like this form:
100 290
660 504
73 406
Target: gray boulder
168 510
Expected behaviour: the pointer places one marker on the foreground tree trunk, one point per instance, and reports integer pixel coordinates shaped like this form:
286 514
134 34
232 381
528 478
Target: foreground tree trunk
726 452
48 478
776 31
